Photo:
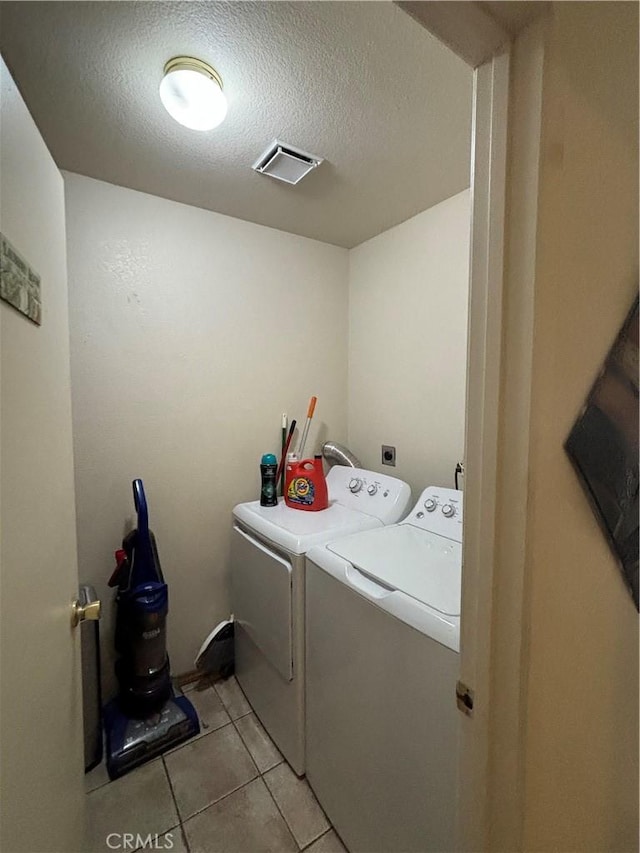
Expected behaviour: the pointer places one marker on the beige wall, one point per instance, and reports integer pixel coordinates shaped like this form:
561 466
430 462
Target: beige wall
179 377
191 333
40 702
408 292
579 656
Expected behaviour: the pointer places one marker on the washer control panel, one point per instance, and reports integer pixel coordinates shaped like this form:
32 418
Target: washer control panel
438 510
384 497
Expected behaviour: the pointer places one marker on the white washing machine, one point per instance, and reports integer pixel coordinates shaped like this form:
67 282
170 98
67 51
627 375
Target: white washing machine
382 643
268 545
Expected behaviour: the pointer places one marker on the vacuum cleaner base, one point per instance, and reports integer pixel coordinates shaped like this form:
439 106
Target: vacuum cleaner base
131 742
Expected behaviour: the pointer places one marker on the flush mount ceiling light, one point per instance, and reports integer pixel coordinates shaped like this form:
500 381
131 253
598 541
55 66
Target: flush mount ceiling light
191 91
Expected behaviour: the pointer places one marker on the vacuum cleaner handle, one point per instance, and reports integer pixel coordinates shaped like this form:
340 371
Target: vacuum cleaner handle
140 502
145 563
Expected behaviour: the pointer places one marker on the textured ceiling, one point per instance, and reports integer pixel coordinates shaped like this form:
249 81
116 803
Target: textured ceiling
359 83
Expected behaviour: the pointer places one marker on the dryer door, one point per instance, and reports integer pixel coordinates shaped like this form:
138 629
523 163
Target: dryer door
261 584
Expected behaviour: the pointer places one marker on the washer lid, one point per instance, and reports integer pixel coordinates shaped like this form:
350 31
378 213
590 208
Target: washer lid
421 564
298 530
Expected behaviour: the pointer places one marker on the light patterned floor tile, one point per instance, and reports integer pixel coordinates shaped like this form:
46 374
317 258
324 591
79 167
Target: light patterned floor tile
96 778
232 697
171 842
207 769
263 750
297 803
246 821
210 709
139 803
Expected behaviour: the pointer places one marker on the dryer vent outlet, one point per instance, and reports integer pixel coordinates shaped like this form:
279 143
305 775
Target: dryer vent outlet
286 163
388 455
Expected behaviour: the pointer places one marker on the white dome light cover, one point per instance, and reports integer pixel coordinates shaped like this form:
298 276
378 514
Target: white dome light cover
191 91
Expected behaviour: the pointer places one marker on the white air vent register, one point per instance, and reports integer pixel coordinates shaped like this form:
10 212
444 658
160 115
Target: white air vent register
286 163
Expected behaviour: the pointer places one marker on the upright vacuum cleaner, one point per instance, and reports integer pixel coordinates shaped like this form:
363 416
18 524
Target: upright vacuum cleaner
149 715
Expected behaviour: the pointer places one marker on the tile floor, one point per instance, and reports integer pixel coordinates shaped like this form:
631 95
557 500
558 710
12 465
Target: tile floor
226 791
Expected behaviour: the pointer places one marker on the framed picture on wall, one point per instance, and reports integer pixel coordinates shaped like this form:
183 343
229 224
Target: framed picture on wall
603 448
19 283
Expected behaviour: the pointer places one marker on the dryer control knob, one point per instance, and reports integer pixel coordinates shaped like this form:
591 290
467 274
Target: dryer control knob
355 485
448 510
430 504
372 489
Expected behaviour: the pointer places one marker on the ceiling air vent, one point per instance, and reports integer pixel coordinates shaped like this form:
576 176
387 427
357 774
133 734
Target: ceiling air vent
286 163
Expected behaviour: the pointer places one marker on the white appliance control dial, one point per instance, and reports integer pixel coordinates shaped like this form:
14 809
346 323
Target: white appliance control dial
372 489
349 487
426 514
355 485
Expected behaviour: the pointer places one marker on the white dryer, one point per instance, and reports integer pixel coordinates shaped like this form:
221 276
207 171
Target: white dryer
268 548
382 643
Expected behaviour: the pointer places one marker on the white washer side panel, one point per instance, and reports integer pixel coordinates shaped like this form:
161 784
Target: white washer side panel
262 591
382 723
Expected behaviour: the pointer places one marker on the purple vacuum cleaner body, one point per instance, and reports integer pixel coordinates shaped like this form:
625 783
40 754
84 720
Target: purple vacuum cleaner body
148 716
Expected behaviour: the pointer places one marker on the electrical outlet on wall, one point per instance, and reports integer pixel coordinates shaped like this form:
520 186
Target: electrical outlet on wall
388 455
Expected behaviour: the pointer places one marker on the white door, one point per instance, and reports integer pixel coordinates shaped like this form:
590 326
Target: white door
41 736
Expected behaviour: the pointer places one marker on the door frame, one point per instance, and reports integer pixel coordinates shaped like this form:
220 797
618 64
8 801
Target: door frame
489 612
484 366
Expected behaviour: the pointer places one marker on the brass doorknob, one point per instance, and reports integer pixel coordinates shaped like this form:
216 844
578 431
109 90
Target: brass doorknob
81 611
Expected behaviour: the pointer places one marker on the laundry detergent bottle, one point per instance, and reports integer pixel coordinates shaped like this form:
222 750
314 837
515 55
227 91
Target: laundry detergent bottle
305 486
268 485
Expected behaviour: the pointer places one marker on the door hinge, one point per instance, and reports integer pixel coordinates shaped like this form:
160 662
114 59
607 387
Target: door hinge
464 698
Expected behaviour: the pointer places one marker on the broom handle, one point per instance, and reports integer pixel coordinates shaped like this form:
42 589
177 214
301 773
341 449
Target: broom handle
285 450
310 411
285 424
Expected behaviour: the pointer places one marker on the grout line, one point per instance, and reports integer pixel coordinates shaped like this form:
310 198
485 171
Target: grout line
193 740
260 774
242 741
215 802
173 793
317 838
242 716
322 835
304 779
178 748
171 829
111 781
280 761
225 681
282 814
268 770
97 787
246 746
185 840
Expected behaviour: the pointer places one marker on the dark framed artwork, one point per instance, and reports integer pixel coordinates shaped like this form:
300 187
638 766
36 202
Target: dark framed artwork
603 448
